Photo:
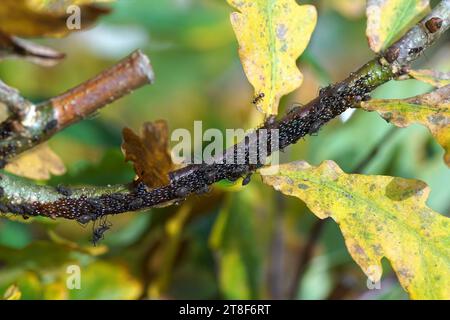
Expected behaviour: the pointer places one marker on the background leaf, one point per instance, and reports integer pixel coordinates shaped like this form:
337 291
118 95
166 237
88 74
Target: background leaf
388 19
435 78
14 47
431 110
107 281
349 8
379 216
12 293
239 247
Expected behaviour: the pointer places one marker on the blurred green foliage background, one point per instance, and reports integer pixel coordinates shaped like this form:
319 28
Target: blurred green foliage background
233 242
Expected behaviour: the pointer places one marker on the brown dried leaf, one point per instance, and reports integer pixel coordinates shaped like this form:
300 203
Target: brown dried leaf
149 153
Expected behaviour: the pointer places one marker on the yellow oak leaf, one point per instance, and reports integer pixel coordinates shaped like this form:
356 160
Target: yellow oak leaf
38 163
149 153
435 78
431 110
271 36
388 19
35 18
379 216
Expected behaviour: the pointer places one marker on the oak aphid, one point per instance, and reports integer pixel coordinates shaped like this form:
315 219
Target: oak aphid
3 208
415 50
204 189
366 97
50 125
85 218
434 24
182 173
117 196
210 176
181 192
314 128
15 208
136 204
28 208
99 232
96 204
63 190
247 179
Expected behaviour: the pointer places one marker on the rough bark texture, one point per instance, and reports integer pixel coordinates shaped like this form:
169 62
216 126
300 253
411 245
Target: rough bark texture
19 196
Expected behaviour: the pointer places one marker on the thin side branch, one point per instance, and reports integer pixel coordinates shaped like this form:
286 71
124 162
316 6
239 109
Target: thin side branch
31 124
112 84
22 197
11 46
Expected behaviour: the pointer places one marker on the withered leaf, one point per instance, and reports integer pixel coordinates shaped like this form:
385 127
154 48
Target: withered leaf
149 153
13 47
431 110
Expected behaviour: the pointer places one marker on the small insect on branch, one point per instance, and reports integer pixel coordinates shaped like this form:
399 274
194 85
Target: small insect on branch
99 232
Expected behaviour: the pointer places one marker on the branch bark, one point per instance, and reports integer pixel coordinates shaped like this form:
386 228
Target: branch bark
31 124
22 197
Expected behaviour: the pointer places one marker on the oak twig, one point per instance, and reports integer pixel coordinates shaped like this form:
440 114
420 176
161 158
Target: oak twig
31 124
22 197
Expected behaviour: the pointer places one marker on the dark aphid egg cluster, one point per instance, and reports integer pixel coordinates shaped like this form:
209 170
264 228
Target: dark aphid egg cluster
332 101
